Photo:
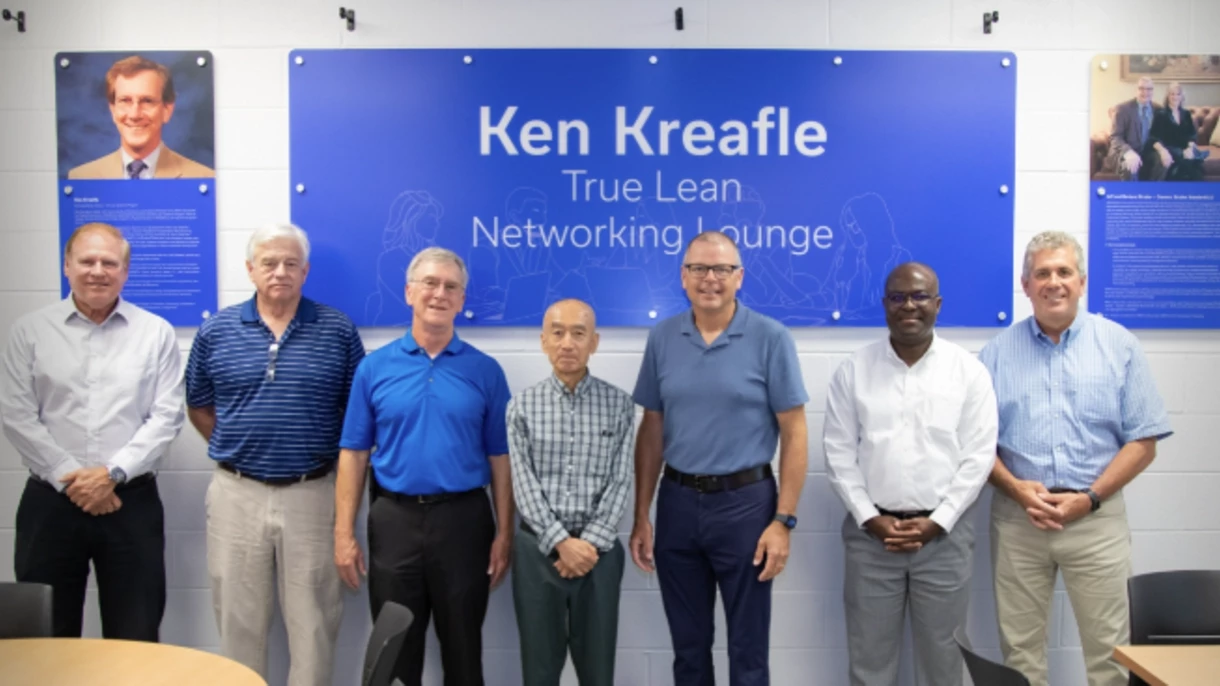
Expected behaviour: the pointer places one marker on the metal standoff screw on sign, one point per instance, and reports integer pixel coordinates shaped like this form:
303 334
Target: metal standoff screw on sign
679 20
350 15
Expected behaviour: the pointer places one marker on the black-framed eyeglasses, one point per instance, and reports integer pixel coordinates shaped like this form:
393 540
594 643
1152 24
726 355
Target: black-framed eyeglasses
272 353
900 299
720 271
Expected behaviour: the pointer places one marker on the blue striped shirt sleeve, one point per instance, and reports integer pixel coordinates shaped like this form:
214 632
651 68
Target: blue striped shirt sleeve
199 390
1143 410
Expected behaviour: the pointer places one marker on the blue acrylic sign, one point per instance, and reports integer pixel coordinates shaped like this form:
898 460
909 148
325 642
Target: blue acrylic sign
153 110
583 173
1153 262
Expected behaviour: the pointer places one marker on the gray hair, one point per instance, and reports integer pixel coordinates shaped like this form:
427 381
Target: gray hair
436 255
1051 240
270 232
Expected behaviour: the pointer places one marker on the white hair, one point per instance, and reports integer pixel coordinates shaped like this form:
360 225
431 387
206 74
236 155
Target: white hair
436 255
270 232
1051 240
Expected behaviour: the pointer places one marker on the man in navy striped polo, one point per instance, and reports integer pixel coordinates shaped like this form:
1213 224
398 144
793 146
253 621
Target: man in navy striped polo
434 406
267 385
1080 418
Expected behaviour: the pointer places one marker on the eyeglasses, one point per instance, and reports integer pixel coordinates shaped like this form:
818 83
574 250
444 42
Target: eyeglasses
451 287
272 352
900 299
128 103
720 271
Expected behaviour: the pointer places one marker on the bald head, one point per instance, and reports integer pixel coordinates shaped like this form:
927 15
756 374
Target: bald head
908 270
569 338
570 309
713 238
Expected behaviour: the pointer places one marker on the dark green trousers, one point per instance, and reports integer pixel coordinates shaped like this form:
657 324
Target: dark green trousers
555 615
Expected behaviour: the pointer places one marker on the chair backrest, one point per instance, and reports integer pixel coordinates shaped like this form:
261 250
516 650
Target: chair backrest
25 610
389 632
984 672
1177 607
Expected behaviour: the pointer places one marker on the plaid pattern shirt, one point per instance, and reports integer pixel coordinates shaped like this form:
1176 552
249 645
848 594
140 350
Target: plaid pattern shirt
570 452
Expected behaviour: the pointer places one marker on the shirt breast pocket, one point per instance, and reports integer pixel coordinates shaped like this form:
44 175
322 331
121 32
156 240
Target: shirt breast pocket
943 411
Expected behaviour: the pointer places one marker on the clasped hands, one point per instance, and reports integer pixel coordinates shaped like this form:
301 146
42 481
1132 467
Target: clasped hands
576 557
903 535
91 489
1051 511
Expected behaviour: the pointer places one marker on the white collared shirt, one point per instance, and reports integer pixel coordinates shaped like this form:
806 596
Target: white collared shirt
79 394
149 171
910 438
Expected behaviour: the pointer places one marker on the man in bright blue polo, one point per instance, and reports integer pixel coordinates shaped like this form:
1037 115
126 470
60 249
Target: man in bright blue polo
434 407
1080 417
720 386
266 385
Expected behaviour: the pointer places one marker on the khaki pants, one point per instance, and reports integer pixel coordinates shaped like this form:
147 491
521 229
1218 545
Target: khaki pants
261 537
1094 554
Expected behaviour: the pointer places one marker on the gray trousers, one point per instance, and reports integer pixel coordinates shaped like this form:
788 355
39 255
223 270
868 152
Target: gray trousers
877 587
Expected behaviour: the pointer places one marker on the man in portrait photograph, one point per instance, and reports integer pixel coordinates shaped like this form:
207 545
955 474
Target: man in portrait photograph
141 95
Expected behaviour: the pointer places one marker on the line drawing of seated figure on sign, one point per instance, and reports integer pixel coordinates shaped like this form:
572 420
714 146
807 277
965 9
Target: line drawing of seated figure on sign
776 278
493 270
412 224
869 251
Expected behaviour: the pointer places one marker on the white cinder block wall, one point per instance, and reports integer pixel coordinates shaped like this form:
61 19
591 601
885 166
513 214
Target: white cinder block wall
1172 507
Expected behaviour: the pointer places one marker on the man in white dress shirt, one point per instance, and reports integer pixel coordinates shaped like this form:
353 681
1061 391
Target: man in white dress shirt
92 397
910 438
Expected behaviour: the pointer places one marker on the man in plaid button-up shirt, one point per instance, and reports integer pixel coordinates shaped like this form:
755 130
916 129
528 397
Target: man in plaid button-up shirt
570 450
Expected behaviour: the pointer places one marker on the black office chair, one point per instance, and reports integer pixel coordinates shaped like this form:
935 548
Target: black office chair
25 610
389 631
984 672
1176 607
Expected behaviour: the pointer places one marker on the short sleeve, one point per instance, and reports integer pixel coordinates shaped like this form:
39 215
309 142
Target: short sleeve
785 385
647 385
495 424
360 420
198 377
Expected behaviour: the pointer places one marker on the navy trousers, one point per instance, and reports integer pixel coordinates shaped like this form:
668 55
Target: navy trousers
705 540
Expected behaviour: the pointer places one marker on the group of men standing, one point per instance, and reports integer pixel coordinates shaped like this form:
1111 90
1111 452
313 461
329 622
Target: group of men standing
299 422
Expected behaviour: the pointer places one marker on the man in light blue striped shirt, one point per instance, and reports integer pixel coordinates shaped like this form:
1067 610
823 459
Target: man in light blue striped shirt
1079 419
267 385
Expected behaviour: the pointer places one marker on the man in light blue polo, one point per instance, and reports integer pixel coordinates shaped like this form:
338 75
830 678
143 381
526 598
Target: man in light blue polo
435 408
720 386
266 385
1080 417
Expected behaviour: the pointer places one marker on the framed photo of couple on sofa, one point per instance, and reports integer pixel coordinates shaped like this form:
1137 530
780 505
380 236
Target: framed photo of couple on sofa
1154 118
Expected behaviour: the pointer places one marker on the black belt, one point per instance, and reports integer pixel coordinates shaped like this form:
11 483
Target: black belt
572 533
140 480
280 480
908 514
1060 489
427 499
711 483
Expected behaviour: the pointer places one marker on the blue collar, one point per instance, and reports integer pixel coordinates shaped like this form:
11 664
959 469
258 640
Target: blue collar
307 311
736 328
1069 334
411 347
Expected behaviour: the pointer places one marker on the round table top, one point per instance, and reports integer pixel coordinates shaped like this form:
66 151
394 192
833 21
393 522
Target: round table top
106 662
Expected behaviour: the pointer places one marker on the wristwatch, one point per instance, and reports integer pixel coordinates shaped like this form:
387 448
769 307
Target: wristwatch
786 519
118 476
1093 497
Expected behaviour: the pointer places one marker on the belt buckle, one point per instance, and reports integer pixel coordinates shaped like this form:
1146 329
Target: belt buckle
703 482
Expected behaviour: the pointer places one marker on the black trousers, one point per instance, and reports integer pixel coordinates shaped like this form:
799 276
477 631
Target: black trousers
56 541
433 559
